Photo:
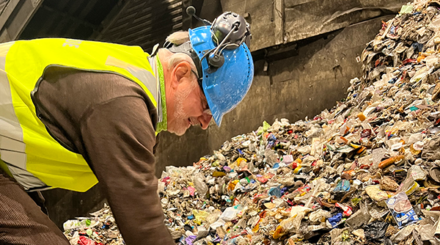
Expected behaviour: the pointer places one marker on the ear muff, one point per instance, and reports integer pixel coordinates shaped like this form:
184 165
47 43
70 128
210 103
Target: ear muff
228 31
216 60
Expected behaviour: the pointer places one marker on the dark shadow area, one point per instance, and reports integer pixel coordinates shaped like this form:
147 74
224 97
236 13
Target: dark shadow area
70 19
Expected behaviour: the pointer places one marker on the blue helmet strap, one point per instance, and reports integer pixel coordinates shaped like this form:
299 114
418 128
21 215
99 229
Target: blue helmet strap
187 49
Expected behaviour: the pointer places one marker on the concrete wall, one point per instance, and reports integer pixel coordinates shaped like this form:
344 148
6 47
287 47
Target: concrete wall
303 82
283 21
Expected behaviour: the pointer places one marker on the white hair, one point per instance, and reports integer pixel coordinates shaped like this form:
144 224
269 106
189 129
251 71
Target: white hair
178 38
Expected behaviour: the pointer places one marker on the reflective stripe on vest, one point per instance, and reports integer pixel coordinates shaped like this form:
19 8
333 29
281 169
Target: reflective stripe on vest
29 153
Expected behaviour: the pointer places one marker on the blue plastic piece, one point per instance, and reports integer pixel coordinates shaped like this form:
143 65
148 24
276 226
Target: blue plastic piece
224 87
271 138
275 191
418 47
343 185
392 81
284 190
335 219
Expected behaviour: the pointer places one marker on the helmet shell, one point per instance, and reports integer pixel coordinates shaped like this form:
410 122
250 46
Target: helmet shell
224 87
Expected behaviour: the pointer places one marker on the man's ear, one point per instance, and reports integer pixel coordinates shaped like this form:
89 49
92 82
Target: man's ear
181 72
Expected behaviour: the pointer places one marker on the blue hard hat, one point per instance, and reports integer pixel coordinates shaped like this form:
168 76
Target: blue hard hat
225 86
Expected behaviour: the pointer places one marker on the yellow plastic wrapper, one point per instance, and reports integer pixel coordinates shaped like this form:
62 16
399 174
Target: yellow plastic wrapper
283 228
256 228
200 216
296 170
240 161
416 148
232 184
409 186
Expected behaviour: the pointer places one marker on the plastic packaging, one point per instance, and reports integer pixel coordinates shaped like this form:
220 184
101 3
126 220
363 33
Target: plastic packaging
390 161
319 216
403 234
375 231
402 210
200 185
417 173
229 214
334 220
200 216
342 186
347 209
361 116
409 186
434 174
360 218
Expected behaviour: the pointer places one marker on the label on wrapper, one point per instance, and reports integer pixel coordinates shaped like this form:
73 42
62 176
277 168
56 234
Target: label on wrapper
402 210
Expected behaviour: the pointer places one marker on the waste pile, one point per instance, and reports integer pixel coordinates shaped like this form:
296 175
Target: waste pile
100 229
365 172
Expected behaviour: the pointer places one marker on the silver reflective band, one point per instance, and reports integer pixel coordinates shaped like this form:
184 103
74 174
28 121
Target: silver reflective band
152 61
12 147
143 75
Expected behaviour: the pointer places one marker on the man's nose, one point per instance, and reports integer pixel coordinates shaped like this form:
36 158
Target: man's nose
204 120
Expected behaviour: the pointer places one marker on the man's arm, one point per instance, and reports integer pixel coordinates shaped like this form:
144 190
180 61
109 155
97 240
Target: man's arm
118 139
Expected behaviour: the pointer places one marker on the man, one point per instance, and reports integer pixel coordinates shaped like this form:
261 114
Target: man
73 113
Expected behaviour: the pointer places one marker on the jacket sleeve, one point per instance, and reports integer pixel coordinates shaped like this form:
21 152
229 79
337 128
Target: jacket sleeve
118 139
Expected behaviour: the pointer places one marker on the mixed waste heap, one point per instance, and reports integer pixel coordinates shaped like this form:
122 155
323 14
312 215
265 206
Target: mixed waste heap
365 172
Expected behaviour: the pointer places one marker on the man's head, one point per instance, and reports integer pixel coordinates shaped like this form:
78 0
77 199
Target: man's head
186 104
214 59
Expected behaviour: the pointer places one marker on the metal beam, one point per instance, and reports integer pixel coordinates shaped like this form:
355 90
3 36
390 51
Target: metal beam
7 11
15 17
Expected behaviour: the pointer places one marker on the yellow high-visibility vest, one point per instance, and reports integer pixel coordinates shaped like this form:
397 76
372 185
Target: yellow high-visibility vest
27 151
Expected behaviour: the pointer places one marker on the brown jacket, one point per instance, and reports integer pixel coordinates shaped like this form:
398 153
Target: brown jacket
111 122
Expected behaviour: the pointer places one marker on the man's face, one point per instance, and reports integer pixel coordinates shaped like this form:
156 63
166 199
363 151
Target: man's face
186 103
